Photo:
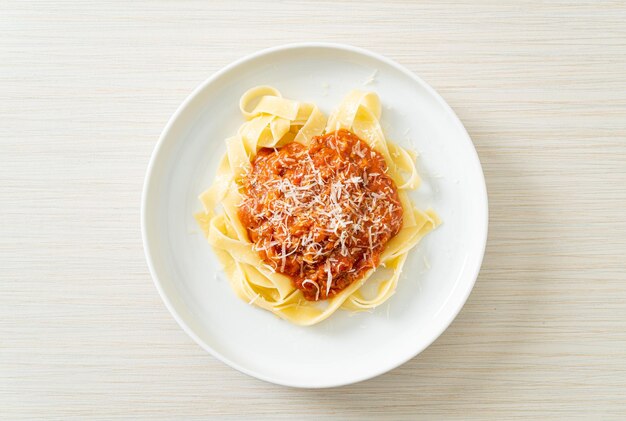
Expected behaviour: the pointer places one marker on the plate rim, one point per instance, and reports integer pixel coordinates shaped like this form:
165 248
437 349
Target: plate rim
159 145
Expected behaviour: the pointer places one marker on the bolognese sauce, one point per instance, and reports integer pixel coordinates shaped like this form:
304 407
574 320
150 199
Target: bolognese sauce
321 215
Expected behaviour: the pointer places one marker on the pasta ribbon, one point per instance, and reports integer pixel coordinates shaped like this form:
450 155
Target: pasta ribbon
272 122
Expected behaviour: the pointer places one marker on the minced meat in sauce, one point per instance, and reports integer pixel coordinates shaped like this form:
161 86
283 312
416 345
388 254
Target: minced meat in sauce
321 215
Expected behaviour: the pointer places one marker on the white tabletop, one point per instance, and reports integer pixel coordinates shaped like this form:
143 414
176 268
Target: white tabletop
86 88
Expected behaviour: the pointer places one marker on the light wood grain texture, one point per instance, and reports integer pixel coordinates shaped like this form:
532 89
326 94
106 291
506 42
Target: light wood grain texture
85 89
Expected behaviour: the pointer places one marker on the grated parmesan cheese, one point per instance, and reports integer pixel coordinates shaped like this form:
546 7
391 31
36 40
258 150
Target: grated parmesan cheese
321 215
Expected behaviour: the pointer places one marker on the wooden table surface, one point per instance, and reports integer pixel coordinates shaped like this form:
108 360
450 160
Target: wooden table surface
85 90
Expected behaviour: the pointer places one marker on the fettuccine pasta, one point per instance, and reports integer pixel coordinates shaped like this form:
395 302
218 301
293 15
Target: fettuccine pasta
275 122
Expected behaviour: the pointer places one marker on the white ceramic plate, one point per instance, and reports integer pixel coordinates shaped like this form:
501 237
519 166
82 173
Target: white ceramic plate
346 348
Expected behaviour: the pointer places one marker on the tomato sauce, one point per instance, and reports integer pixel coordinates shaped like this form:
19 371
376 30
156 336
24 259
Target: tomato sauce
321 215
